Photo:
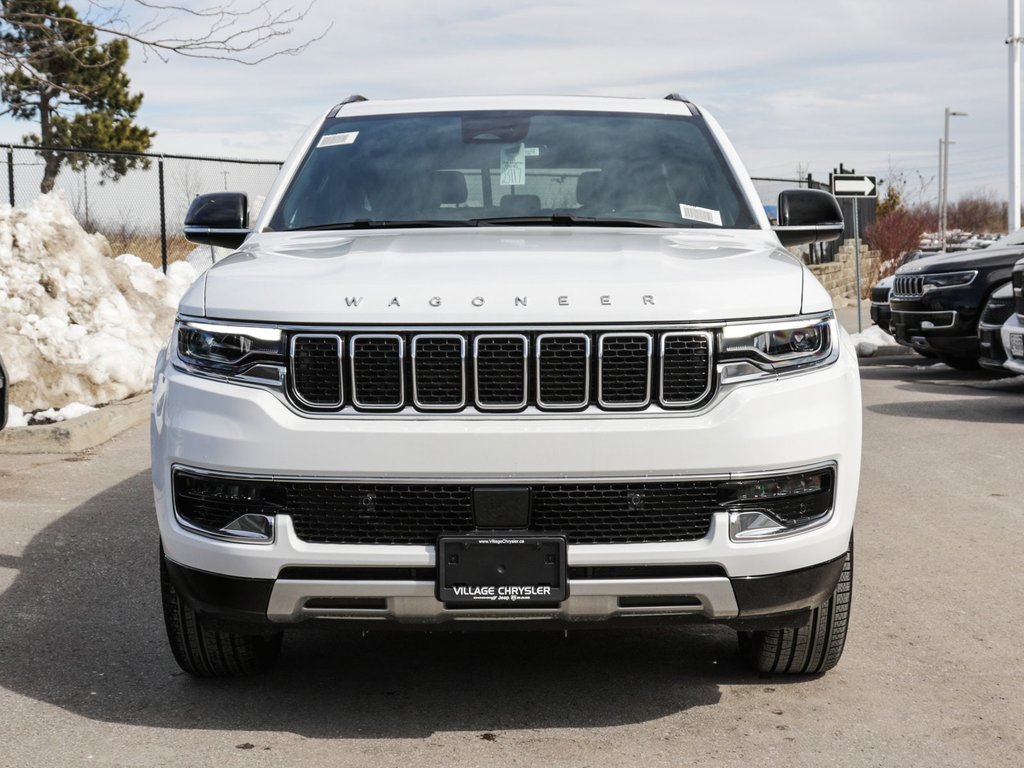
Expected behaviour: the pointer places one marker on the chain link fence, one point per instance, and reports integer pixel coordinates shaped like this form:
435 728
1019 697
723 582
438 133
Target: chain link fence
140 212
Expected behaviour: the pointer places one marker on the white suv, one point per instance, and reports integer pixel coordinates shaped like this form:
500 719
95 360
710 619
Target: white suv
492 359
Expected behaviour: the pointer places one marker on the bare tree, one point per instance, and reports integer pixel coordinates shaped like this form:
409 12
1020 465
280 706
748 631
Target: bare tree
247 33
187 177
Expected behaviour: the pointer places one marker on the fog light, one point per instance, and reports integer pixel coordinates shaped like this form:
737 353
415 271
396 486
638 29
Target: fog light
753 524
252 527
777 487
763 508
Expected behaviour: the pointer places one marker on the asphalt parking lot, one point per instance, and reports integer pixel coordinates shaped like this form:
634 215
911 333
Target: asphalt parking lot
933 673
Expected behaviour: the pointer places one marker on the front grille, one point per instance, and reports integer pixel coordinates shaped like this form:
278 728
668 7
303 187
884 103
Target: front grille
908 287
997 311
491 371
324 512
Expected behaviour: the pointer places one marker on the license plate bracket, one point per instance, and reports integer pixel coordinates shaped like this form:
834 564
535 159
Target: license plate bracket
501 570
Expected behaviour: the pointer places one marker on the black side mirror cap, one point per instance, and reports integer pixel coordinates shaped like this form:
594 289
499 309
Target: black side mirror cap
3 395
808 216
219 218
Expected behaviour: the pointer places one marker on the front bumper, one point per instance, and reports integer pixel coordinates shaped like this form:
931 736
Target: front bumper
253 604
770 426
993 354
881 315
943 332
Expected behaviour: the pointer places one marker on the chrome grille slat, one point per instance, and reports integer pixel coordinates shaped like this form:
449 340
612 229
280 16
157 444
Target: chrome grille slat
438 371
550 369
316 361
378 371
562 370
500 365
624 370
686 373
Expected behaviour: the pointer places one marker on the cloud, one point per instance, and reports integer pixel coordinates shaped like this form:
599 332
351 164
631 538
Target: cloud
864 82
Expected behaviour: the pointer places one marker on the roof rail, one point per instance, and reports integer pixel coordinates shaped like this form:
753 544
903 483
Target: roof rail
354 98
694 109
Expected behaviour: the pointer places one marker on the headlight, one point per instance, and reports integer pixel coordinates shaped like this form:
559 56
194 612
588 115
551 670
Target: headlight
758 349
228 351
948 279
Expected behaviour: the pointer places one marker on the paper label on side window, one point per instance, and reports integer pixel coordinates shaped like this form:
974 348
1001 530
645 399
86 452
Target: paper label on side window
513 166
337 139
695 213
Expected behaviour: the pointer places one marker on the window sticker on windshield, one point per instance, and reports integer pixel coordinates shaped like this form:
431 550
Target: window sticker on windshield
695 213
337 139
513 166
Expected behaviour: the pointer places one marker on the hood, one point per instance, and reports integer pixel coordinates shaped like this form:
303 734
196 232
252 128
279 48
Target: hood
983 258
506 275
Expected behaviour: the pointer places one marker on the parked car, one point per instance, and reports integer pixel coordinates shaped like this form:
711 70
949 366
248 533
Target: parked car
936 302
997 311
538 361
1012 334
880 312
3 394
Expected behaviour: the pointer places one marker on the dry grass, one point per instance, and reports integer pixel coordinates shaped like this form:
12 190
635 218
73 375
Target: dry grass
147 247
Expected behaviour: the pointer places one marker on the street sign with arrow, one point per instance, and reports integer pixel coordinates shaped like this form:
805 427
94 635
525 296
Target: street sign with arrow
854 185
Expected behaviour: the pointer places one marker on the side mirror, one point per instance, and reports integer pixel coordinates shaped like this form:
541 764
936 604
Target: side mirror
808 216
219 218
3 395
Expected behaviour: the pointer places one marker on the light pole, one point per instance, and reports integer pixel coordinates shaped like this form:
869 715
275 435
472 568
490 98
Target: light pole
1014 41
945 178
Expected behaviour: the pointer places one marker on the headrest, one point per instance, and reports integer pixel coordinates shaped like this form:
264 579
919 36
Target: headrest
448 187
520 203
588 187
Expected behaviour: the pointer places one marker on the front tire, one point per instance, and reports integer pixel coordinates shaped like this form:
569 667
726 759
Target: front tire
809 650
204 652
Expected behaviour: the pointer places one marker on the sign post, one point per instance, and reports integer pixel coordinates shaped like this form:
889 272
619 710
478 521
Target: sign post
855 185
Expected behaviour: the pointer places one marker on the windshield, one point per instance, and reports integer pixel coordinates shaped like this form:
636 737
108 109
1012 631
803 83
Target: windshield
520 168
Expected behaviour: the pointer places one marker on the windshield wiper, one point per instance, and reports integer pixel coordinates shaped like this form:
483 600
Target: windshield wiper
387 224
571 220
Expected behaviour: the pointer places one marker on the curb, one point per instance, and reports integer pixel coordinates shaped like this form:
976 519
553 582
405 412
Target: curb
86 431
889 350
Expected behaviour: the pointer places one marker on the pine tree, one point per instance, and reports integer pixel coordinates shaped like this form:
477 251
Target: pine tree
74 87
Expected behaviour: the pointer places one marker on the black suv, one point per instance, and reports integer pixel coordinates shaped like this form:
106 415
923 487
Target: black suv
936 302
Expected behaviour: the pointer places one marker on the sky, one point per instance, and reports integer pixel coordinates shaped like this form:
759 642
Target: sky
799 85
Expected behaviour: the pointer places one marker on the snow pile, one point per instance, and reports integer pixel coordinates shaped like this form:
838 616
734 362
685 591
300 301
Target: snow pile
869 340
18 418
77 326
